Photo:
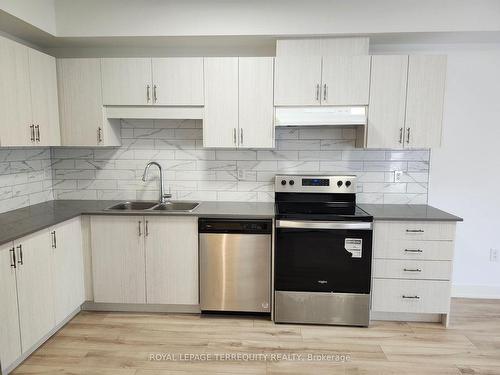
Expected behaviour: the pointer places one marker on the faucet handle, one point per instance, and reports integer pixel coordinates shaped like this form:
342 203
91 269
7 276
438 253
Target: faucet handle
167 196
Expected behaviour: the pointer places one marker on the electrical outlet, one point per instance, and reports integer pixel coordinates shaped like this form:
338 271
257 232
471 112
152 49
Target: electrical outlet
493 255
397 176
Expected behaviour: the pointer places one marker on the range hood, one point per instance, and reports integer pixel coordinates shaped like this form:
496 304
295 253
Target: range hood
319 116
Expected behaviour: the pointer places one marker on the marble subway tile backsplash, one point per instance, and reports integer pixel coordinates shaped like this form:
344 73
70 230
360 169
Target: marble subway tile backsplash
192 172
25 177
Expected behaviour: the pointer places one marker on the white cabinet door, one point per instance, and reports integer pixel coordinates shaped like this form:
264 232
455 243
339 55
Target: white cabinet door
386 110
35 287
256 110
67 268
126 81
220 123
15 102
118 263
297 81
10 340
172 260
44 102
178 81
80 101
425 98
345 80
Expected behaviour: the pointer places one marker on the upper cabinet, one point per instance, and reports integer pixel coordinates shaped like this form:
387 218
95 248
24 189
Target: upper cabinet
316 80
178 81
158 81
406 101
238 102
29 114
80 105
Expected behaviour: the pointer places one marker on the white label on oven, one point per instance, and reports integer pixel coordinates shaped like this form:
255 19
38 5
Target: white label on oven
354 246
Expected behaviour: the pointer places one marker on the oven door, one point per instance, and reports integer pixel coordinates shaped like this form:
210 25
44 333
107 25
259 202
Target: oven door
314 256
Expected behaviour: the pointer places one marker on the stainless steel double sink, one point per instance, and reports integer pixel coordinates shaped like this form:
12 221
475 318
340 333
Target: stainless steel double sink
170 206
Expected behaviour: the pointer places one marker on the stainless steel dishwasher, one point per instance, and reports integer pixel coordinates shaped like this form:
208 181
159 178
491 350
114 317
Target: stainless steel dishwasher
235 265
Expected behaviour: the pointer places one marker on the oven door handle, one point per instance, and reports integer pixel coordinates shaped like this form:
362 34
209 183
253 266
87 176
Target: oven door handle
361 225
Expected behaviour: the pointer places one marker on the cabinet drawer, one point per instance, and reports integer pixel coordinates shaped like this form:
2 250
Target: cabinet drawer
414 230
412 269
411 296
408 249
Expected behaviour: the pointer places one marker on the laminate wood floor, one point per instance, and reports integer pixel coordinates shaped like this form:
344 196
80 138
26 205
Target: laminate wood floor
122 343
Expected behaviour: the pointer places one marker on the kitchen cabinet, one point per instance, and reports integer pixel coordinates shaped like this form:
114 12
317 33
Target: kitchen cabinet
178 81
15 103
386 111
44 102
126 81
29 114
406 101
238 102
67 254
10 338
118 259
171 259
35 287
80 104
412 269
425 99
321 80
145 259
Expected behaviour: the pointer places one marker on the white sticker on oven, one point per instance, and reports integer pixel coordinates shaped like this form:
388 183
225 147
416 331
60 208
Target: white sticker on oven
354 246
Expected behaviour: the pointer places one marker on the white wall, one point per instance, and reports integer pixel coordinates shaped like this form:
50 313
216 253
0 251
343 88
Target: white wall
271 17
39 13
465 171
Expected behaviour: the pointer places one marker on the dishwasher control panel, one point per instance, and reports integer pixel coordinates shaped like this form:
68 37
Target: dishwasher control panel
257 226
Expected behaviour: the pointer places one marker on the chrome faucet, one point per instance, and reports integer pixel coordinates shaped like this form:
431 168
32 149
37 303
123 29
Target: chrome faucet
163 197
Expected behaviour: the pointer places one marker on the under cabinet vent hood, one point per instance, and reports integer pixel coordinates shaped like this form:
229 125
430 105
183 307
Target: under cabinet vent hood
319 116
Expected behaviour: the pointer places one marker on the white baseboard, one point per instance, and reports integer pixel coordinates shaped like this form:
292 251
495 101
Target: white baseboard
476 291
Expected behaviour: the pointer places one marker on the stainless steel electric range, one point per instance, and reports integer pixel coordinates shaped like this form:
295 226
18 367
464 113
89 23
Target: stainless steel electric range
323 251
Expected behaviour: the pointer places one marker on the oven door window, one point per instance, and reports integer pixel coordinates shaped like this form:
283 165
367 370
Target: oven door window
323 260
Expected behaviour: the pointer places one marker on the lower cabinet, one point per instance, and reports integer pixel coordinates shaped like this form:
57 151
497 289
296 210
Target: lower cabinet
412 267
41 284
145 259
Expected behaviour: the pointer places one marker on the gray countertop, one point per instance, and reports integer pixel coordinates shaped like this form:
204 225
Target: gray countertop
18 223
414 212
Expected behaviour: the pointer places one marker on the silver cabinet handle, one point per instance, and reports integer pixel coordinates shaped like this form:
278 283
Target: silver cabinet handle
408 135
155 97
410 297
32 131
54 239
20 248
414 231
413 251
37 133
241 135
13 258
317 92
148 96
325 92
412 270
140 224
147 228
400 135
234 136
99 134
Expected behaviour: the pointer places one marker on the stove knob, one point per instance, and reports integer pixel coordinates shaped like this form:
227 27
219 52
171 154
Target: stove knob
283 182
348 183
291 182
339 183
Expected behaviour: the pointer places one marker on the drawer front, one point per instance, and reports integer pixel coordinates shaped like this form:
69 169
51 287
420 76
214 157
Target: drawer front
408 249
415 230
412 269
411 296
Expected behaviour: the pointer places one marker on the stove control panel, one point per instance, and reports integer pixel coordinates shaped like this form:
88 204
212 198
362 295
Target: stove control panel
315 184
